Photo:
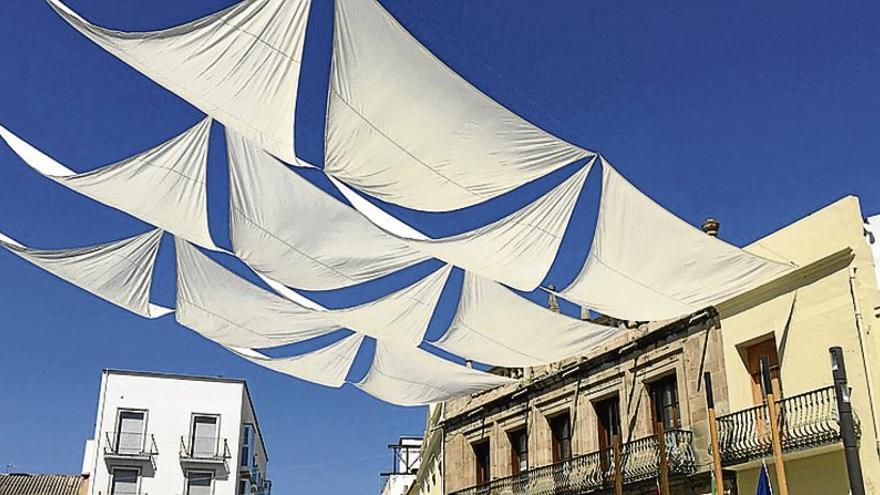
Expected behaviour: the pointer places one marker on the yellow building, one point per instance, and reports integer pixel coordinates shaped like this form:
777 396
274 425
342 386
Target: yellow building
831 300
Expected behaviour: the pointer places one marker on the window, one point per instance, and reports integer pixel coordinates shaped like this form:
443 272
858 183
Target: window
754 353
664 402
247 446
124 482
607 425
130 432
481 461
243 487
204 436
519 448
560 433
198 482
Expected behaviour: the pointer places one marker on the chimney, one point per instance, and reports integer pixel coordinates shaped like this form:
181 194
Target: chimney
711 226
552 303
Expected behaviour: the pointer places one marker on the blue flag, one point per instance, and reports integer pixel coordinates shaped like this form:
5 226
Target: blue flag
764 482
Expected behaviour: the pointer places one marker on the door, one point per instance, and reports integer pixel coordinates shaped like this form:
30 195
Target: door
125 482
607 427
519 448
560 432
198 482
204 436
130 433
664 402
754 353
481 462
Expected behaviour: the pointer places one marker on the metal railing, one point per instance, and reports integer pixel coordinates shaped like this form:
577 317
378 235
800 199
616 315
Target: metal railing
640 460
127 444
204 448
806 421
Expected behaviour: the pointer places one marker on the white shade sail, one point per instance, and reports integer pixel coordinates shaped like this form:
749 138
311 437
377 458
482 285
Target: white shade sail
288 229
240 65
403 127
164 186
495 326
230 310
119 272
409 376
221 306
327 366
647 264
518 249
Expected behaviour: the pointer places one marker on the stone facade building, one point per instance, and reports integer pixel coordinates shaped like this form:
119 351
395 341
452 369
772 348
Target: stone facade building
554 431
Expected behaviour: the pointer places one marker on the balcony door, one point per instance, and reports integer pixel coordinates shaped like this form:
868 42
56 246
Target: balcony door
481 462
198 482
124 482
607 426
130 432
664 403
560 437
204 436
519 448
754 354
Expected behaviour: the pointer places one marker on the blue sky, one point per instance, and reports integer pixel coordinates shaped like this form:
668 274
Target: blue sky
756 113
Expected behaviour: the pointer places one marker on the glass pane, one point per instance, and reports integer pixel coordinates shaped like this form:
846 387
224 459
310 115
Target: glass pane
124 482
204 436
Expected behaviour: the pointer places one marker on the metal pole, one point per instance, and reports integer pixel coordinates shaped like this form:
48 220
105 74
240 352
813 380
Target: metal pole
713 432
847 423
774 427
618 468
664 461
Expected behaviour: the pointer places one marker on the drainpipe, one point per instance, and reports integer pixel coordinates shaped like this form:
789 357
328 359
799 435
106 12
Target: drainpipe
859 330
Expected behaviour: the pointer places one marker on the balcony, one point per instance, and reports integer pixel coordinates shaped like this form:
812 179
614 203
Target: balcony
208 450
595 471
806 421
126 446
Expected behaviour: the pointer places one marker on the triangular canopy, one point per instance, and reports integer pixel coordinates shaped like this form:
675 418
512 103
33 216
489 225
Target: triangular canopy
288 229
230 310
403 127
408 376
495 326
119 272
164 186
520 248
240 65
327 366
647 264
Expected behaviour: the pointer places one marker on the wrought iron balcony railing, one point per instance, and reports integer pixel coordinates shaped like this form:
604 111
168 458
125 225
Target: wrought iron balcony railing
120 444
805 421
204 449
640 460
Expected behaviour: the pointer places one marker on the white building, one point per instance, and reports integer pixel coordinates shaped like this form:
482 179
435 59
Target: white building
168 434
405 465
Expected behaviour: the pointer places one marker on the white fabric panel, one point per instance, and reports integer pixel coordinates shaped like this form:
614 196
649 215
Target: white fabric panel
647 264
403 127
120 272
164 186
518 249
224 307
408 376
228 309
873 228
327 366
403 315
495 326
295 233
240 65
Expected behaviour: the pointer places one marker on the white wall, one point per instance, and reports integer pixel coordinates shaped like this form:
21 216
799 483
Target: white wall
170 404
